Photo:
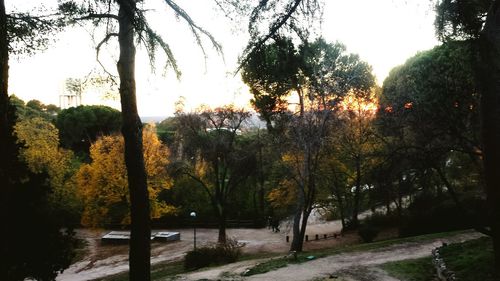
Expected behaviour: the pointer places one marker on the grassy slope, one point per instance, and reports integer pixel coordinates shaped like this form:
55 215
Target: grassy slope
412 270
276 263
471 260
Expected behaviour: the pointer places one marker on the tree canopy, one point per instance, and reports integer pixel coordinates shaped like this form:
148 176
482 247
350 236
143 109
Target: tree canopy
80 126
218 159
102 184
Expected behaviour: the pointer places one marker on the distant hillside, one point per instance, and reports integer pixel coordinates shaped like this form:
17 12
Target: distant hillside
254 120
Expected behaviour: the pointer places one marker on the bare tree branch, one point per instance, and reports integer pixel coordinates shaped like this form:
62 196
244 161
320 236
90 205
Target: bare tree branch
196 29
97 16
98 49
272 31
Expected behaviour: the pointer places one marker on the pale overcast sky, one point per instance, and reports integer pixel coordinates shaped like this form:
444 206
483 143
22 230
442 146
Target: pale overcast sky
384 33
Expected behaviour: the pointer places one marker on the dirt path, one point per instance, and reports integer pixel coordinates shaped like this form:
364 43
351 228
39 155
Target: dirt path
104 260
356 266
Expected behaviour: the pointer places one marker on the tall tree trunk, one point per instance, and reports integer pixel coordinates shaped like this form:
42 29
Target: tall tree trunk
340 203
262 180
140 234
303 227
4 63
297 241
5 146
222 227
489 75
357 194
399 199
298 238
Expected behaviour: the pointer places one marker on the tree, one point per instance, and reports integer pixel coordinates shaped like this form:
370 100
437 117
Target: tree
435 95
82 125
272 73
23 194
42 154
130 25
336 178
34 108
166 130
431 119
355 141
220 160
103 187
320 74
478 20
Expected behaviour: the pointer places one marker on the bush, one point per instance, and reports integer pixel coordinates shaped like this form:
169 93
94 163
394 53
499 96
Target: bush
428 214
368 232
213 255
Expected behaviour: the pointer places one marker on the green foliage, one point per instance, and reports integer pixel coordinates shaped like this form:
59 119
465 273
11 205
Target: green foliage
186 195
213 255
215 155
433 99
166 131
470 261
272 73
80 126
412 270
460 19
430 214
332 71
322 69
29 32
429 119
34 108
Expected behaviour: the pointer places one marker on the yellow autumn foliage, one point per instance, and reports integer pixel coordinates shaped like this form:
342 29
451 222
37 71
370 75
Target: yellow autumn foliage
103 183
42 153
284 196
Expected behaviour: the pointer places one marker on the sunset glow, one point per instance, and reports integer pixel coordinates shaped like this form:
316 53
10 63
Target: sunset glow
214 83
359 105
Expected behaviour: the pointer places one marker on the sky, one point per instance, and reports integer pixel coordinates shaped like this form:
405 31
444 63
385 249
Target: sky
384 33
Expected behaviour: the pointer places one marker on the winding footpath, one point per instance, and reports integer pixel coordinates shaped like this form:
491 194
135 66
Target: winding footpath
355 266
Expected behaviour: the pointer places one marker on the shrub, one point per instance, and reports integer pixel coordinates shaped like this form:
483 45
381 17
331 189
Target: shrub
428 214
368 232
213 255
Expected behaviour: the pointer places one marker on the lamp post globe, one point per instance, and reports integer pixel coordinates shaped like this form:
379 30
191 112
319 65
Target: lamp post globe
193 216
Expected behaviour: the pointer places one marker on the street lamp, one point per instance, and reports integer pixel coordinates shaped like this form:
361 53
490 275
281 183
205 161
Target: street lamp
193 215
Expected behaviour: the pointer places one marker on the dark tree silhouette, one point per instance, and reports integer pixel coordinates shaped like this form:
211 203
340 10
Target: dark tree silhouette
31 239
480 22
221 160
